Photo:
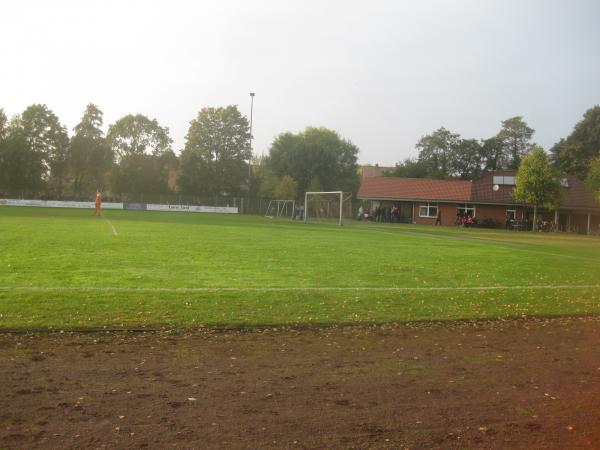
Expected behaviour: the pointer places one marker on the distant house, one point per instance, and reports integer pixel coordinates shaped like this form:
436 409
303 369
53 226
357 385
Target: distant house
488 198
368 171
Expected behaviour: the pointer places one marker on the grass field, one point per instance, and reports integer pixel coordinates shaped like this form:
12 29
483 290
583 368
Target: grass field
64 269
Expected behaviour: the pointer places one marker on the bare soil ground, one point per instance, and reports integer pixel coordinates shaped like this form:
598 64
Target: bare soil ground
526 384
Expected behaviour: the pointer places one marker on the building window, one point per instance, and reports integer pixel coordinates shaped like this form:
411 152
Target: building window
428 210
466 210
511 214
507 181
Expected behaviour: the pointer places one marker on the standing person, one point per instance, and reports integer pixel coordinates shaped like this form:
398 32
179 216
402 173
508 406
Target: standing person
438 219
468 221
98 209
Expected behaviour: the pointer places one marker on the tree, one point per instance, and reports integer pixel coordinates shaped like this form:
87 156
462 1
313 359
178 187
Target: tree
138 135
538 182
139 174
48 139
21 168
263 176
492 155
3 124
91 156
138 144
286 189
315 154
214 160
409 168
593 176
315 185
574 154
467 159
437 152
515 136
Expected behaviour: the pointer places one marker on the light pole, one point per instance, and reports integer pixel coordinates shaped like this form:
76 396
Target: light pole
250 157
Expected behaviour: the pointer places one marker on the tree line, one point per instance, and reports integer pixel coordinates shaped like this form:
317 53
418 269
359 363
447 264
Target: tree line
135 156
444 154
39 158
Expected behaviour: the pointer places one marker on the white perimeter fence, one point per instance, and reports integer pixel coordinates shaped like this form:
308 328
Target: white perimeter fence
129 206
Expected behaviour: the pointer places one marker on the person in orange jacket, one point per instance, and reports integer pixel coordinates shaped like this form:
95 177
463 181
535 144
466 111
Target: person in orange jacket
98 203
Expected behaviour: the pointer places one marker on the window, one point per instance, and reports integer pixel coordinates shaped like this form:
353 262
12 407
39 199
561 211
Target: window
466 210
511 214
428 210
508 181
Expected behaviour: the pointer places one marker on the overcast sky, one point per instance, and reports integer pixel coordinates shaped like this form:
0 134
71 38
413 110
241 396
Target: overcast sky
380 73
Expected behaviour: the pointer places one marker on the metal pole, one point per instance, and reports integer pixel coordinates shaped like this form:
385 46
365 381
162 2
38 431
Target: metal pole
250 157
341 204
589 222
305 206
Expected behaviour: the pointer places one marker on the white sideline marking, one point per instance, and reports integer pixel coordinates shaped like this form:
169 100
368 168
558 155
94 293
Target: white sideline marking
112 227
292 289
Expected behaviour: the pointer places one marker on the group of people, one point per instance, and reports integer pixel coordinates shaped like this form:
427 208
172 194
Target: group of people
383 214
465 220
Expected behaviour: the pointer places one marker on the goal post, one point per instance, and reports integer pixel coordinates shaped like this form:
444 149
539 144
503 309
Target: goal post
281 208
329 207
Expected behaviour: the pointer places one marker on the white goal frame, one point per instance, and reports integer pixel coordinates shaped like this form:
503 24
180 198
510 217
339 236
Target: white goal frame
281 207
343 196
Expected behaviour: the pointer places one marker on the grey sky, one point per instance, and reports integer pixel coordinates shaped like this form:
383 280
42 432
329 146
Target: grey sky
381 73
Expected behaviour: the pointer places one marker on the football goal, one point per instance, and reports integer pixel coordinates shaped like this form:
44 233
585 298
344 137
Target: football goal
281 208
329 207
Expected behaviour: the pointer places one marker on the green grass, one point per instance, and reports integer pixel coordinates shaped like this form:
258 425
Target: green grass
62 269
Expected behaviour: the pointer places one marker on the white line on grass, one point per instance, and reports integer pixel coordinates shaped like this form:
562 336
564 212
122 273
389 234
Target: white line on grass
112 227
292 289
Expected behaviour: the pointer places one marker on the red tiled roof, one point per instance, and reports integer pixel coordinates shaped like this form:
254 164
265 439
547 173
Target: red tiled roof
414 189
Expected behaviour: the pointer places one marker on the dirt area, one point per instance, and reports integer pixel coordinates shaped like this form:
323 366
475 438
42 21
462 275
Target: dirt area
499 384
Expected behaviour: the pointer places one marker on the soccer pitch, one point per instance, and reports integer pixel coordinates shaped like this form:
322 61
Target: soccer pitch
64 269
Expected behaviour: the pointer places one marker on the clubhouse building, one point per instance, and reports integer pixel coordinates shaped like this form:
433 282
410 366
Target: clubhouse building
489 199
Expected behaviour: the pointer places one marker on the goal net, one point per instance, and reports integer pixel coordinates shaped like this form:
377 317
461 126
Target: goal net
281 208
327 207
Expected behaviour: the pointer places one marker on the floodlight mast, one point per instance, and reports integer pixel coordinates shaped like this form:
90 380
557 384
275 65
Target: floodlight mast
250 157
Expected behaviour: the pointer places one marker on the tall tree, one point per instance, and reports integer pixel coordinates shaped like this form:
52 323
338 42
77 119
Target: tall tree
138 135
3 124
538 182
91 156
493 155
216 154
287 188
467 159
315 154
409 168
21 168
45 136
515 136
574 154
138 175
138 144
593 176
437 152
